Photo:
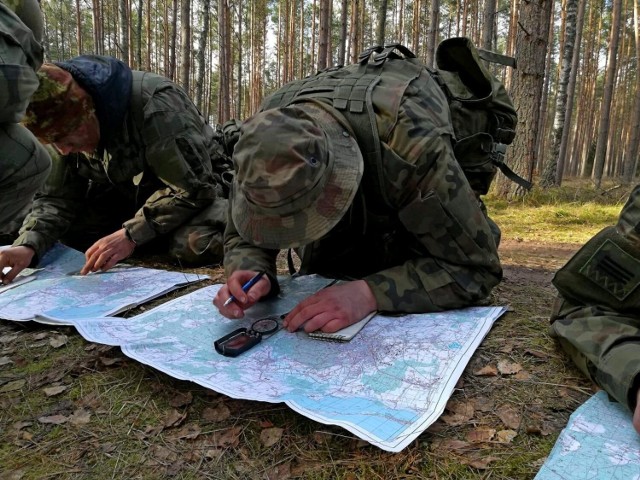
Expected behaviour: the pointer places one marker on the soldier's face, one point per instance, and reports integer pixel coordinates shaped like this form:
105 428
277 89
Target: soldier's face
83 139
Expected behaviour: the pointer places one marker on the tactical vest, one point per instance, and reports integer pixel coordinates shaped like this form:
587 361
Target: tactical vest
483 116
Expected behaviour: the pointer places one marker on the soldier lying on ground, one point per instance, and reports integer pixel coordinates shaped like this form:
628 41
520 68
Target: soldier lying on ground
138 166
24 163
404 226
596 318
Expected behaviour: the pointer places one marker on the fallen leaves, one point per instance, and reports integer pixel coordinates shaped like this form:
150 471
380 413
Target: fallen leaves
58 341
78 417
480 462
174 419
506 436
190 431
486 371
270 436
54 419
460 412
180 399
53 391
508 368
480 435
13 386
219 413
509 416
5 361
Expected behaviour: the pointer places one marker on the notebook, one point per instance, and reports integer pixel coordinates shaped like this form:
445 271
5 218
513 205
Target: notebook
344 335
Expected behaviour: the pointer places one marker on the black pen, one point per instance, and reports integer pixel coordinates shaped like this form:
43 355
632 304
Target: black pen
245 287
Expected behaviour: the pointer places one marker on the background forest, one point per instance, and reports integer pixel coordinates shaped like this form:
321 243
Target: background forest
576 85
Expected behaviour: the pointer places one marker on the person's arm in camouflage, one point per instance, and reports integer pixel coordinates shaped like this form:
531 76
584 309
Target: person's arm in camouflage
241 260
54 207
20 57
176 151
603 341
462 264
605 345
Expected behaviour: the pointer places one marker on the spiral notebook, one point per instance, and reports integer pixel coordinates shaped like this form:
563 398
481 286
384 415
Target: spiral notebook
344 335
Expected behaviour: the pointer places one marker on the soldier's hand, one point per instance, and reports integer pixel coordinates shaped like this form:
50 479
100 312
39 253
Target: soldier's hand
333 308
107 251
15 258
243 300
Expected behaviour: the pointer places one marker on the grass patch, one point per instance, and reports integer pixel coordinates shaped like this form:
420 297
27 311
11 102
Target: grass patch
570 214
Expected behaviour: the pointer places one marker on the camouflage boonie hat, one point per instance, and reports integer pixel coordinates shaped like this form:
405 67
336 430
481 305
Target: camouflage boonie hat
297 171
58 107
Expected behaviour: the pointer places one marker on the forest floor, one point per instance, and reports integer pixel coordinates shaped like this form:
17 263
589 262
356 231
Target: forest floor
70 408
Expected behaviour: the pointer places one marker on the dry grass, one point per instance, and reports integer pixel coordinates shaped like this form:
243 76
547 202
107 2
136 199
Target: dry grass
144 424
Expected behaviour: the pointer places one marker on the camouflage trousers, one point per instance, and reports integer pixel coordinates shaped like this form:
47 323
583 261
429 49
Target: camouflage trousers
603 343
24 166
197 242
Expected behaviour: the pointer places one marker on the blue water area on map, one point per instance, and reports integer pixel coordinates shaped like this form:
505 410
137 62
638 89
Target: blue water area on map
599 442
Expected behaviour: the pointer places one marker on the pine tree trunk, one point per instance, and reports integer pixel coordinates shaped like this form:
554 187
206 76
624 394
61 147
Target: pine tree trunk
531 45
549 175
605 110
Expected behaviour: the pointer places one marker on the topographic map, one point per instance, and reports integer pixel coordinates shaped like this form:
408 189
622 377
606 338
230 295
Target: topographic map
386 386
598 443
56 292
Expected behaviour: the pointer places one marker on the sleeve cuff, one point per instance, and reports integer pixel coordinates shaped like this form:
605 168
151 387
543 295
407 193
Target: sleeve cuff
139 232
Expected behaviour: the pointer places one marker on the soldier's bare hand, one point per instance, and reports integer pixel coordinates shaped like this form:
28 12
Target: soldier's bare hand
333 308
636 414
242 300
107 251
15 258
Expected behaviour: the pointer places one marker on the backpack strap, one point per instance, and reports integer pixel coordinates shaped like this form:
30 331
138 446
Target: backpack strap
497 157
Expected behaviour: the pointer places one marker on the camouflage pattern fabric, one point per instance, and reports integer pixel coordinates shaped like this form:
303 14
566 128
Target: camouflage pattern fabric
283 204
154 178
24 163
436 251
58 107
20 58
24 166
602 340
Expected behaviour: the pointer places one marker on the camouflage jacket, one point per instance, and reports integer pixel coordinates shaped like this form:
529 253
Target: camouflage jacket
163 141
435 250
596 318
20 58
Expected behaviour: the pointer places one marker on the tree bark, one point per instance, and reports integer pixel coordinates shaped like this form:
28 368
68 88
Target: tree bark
550 174
531 45
631 160
382 22
200 56
124 30
185 43
605 110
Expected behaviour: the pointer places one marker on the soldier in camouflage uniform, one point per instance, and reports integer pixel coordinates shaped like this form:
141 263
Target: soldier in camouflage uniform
304 182
24 163
596 318
138 166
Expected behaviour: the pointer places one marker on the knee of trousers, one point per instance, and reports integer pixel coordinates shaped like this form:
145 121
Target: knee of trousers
197 245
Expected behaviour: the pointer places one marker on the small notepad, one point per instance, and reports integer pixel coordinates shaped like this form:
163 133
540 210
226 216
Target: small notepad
345 334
